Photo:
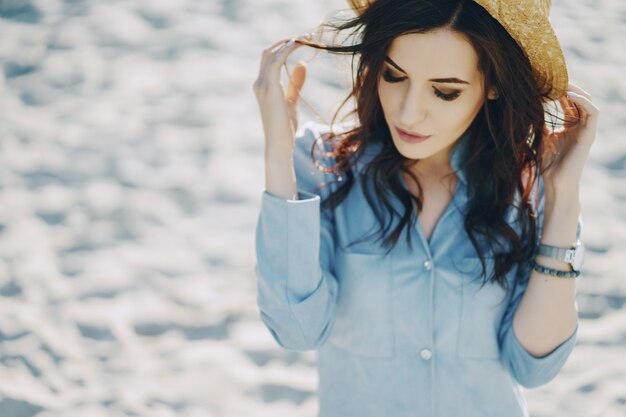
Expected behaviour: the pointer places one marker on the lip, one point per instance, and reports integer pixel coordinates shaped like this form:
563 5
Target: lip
411 137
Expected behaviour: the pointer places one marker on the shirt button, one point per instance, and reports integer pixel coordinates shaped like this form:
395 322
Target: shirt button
428 264
426 354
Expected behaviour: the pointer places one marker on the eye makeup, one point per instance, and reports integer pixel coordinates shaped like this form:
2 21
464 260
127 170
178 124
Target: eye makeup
388 77
448 80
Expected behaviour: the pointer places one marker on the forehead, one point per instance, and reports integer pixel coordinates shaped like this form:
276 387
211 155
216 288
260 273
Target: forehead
435 54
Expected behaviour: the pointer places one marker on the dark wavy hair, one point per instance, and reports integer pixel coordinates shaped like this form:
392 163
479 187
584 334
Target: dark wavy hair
509 136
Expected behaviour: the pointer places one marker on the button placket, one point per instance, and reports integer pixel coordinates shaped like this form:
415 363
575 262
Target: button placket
428 264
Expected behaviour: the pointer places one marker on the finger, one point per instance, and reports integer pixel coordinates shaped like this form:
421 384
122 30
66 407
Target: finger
283 52
276 44
296 80
571 109
578 90
268 52
287 46
280 45
303 39
278 49
585 103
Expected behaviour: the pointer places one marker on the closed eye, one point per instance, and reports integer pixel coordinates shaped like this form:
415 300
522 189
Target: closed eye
447 97
388 77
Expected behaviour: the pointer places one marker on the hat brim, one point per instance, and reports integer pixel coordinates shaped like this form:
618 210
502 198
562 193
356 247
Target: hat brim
529 26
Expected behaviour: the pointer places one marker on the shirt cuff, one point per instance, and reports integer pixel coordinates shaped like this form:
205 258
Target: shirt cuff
532 371
520 351
302 196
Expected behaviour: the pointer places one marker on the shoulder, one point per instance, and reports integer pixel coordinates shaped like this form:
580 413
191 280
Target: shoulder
312 141
315 132
315 135
310 148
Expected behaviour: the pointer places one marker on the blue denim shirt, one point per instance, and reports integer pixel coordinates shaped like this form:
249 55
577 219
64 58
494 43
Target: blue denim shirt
403 334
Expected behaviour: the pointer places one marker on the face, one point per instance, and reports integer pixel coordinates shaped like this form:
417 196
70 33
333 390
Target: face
430 85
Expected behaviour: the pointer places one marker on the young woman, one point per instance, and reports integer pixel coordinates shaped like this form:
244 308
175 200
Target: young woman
372 241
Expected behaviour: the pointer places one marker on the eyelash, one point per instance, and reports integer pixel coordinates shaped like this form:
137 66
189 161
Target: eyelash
447 97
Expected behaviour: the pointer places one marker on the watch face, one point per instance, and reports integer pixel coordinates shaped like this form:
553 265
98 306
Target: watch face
577 262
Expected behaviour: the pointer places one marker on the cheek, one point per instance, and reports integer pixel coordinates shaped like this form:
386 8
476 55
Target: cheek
383 95
462 109
458 117
390 95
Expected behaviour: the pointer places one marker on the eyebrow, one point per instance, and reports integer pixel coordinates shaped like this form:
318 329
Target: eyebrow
452 80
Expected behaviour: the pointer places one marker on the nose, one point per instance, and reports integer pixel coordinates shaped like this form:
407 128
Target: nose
414 109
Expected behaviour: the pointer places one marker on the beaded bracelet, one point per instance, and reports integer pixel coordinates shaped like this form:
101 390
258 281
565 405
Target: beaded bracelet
554 272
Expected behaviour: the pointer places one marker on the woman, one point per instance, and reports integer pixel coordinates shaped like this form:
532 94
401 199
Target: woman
453 160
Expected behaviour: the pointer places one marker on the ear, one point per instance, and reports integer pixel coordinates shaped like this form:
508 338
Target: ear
493 94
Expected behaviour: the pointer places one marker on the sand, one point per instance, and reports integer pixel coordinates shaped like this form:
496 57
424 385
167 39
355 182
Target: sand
131 172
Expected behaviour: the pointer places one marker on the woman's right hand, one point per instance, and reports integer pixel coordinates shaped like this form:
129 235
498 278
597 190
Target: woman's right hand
279 108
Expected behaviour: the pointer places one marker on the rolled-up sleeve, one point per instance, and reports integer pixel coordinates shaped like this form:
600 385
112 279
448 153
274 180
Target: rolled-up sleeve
528 370
294 242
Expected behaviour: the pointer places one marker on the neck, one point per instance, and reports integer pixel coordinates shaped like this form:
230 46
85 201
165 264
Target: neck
433 169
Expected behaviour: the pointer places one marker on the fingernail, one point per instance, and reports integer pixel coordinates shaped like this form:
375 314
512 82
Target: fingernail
572 94
291 42
306 36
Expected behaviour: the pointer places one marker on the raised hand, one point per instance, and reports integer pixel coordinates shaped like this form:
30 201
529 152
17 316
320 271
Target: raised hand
279 108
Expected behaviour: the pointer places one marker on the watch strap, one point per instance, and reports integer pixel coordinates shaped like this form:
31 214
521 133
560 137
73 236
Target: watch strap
562 254
554 252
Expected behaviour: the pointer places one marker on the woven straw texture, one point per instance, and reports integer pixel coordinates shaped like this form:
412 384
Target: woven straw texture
527 22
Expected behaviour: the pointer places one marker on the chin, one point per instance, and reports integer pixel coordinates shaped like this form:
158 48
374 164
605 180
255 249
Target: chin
409 151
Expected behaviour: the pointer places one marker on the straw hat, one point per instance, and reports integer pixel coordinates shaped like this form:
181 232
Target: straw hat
527 22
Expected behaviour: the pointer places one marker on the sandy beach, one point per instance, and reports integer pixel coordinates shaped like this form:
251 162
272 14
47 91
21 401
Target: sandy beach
131 173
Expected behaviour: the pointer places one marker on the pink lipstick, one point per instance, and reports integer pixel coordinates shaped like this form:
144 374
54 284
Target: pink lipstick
411 137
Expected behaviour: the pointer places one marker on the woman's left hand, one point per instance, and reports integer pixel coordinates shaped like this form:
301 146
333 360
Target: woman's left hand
573 145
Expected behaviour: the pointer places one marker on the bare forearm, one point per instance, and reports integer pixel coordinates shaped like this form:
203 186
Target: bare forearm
280 177
547 315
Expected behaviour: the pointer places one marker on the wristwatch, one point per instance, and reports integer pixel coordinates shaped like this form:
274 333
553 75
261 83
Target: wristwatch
573 256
